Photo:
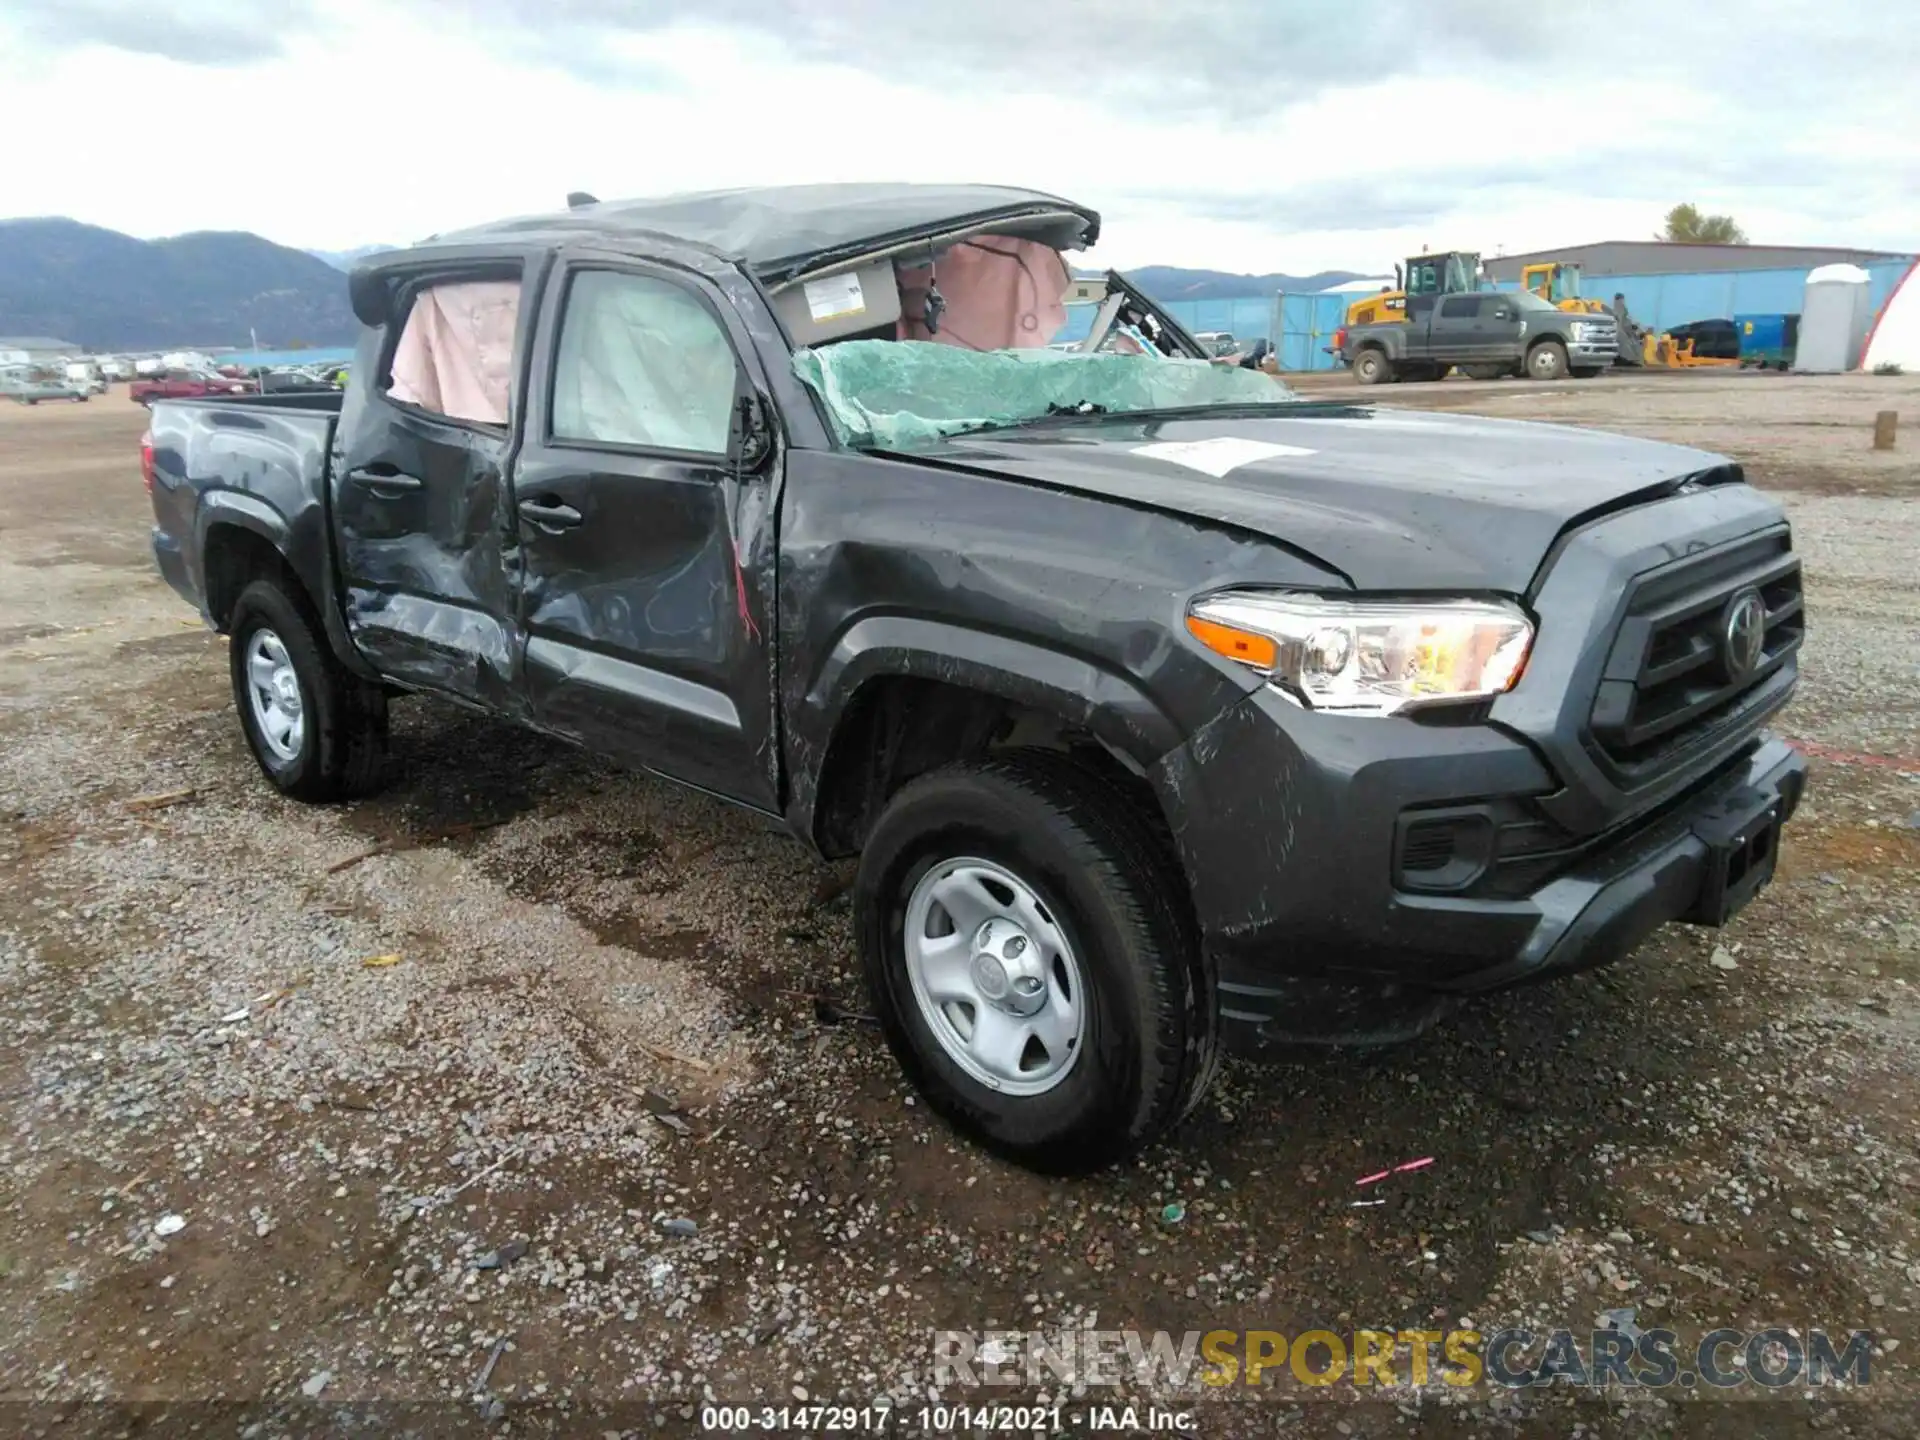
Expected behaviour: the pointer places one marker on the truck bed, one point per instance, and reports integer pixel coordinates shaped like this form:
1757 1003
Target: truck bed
255 463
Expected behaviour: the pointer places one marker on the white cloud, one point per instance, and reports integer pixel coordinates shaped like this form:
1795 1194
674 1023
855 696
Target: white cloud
387 121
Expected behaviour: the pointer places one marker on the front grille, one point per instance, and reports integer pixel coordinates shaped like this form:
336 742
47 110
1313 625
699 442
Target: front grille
1672 675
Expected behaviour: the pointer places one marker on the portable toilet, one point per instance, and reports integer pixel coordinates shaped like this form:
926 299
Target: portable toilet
1894 340
1833 320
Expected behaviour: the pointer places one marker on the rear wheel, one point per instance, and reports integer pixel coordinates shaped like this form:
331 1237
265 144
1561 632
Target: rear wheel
1485 372
1547 361
1033 961
317 731
1371 367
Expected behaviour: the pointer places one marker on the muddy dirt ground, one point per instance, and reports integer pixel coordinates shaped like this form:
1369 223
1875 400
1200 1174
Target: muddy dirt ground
312 1108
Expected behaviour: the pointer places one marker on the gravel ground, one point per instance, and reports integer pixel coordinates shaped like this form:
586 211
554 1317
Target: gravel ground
615 1105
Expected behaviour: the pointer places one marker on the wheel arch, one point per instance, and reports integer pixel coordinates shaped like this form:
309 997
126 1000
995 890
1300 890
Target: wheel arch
900 695
239 539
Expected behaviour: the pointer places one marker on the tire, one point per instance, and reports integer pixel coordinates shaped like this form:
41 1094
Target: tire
1486 372
1547 361
1588 372
1099 881
339 745
1371 367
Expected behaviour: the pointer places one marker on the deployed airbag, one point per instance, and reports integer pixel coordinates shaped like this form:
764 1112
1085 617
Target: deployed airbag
455 355
997 293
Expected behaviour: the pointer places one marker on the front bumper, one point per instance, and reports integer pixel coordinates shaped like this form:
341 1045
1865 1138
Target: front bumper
1593 352
1337 954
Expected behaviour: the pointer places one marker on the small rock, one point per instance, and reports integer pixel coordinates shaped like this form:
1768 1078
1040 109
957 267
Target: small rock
1622 1320
1877 1300
499 1259
680 1227
1620 1237
800 1392
1539 1237
1722 959
315 1383
169 1225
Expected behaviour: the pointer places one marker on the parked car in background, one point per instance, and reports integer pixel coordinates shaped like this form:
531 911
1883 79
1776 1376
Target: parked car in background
27 389
294 381
187 385
87 376
1487 333
1218 343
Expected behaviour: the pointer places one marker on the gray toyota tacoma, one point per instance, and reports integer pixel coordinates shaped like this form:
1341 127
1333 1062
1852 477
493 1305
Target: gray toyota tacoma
1166 711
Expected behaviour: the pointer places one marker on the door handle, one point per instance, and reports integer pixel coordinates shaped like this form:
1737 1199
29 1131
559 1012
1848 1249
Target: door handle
549 514
393 482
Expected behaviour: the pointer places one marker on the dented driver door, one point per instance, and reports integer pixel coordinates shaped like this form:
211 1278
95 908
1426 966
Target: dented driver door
642 532
420 494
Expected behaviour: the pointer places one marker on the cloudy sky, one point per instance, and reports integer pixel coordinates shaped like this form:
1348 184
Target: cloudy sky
1248 135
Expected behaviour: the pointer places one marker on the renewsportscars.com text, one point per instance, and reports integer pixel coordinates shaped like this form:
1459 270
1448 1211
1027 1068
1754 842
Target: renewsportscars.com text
1776 1357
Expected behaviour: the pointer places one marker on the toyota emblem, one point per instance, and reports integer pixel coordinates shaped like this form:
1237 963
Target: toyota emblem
1743 635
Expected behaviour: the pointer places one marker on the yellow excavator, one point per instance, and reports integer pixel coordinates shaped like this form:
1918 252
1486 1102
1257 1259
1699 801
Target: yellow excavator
1558 283
1445 272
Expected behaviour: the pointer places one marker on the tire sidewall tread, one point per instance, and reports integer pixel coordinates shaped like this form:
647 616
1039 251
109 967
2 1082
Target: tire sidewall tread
344 749
1120 897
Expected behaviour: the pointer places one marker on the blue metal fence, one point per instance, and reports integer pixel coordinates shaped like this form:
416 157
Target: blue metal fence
1307 323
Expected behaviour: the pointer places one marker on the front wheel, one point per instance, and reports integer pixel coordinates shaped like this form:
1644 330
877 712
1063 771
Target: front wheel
1547 361
1032 957
317 731
1371 367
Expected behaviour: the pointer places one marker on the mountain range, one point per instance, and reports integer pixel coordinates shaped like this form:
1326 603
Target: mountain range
345 259
108 291
1171 282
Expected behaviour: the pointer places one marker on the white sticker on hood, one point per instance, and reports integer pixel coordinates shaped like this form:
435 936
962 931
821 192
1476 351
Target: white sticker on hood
1216 457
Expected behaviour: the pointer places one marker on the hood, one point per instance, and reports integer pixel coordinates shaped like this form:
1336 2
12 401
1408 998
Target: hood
1395 500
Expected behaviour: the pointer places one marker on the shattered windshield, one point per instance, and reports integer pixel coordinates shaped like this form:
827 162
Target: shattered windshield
896 394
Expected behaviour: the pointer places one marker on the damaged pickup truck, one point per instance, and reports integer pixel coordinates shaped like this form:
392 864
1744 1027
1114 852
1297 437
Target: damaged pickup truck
1166 711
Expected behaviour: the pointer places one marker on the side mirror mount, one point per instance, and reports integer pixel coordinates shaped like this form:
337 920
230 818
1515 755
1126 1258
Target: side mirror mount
753 439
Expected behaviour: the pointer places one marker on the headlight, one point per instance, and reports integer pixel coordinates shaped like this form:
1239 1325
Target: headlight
1367 657
1581 330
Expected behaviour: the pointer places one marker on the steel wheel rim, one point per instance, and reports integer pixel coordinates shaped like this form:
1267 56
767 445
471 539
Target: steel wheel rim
994 976
273 693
